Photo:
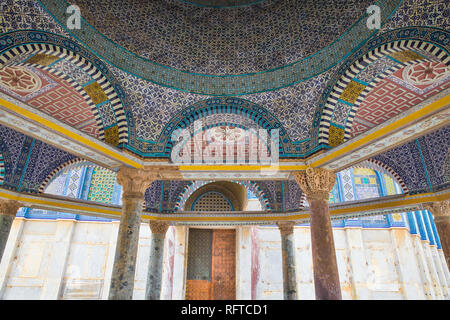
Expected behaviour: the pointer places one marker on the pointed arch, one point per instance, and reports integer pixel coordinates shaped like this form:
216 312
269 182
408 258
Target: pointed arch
16 43
383 168
60 168
194 185
242 110
407 41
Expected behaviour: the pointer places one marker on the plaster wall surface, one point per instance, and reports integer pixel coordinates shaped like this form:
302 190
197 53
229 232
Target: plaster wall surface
69 259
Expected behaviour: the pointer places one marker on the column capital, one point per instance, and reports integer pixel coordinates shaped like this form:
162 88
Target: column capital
286 227
438 208
135 181
316 183
9 207
159 226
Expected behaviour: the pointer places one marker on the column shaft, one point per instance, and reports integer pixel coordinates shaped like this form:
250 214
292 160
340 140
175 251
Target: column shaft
154 277
122 278
443 229
134 183
8 211
5 226
316 183
326 275
288 260
441 213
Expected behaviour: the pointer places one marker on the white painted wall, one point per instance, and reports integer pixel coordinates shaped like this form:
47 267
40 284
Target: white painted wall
67 259
374 263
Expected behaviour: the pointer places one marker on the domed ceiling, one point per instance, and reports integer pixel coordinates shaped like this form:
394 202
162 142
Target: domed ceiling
222 47
222 3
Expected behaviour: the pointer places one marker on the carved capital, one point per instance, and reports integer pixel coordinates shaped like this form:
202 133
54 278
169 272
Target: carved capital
438 208
9 207
286 227
159 226
316 183
135 181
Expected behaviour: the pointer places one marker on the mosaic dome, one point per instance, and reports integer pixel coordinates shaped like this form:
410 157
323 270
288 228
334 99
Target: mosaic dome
203 47
222 41
222 3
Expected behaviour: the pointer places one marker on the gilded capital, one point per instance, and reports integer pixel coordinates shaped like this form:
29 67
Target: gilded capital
286 227
9 207
316 183
159 226
135 181
438 208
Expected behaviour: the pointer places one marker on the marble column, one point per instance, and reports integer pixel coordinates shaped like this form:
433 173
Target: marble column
8 211
288 257
154 277
316 183
441 214
134 183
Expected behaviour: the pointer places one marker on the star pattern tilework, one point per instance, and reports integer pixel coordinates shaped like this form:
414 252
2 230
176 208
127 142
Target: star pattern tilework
102 185
435 148
418 13
26 14
42 161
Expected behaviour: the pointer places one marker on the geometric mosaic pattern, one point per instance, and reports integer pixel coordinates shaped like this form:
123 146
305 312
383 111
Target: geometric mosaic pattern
394 95
74 183
212 201
347 185
42 159
202 58
56 172
366 184
75 72
292 106
187 117
187 190
65 104
102 185
292 195
27 161
223 3
421 163
418 13
385 169
19 79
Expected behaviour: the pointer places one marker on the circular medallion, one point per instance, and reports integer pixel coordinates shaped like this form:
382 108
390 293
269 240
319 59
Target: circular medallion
425 73
19 79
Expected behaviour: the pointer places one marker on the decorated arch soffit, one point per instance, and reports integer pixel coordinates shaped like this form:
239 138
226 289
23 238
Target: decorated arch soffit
27 161
214 65
423 163
192 186
64 80
413 61
216 112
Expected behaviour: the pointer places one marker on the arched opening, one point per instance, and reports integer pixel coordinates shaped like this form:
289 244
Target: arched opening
401 72
53 75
